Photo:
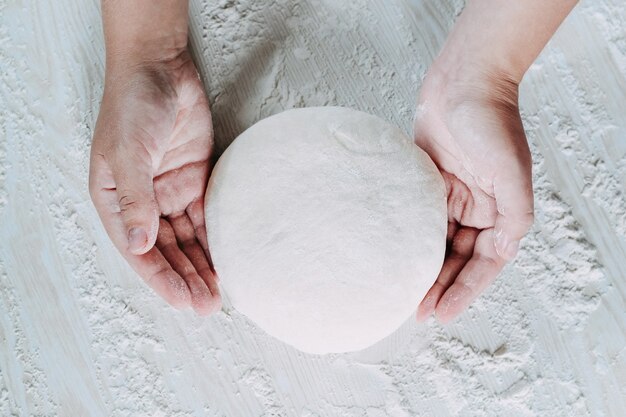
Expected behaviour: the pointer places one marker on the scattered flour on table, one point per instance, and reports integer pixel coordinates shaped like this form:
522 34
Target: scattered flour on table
81 335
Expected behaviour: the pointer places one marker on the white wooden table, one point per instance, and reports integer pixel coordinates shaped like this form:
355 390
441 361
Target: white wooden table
80 334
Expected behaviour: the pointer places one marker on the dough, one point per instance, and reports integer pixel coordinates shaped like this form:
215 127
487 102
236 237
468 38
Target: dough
326 227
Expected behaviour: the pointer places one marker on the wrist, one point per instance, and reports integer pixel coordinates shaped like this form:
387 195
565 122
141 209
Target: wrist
136 52
501 38
461 75
154 63
454 81
160 75
144 31
464 59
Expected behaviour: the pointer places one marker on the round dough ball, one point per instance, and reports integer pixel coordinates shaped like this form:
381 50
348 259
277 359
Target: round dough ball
326 227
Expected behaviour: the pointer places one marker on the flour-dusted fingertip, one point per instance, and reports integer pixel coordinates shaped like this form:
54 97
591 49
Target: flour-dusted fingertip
425 308
174 290
444 315
421 315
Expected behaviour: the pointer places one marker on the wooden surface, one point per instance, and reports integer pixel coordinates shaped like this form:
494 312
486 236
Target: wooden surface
80 335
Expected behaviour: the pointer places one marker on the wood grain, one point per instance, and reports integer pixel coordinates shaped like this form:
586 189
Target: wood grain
80 335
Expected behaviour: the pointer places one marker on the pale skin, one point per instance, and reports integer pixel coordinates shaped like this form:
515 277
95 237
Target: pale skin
151 152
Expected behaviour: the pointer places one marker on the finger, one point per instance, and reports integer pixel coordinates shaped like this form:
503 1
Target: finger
453 227
195 211
152 266
184 184
185 235
166 242
513 193
460 251
159 275
428 303
477 274
467 203
101 184
132 172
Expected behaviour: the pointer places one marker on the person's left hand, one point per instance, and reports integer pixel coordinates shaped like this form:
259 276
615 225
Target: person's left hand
150 162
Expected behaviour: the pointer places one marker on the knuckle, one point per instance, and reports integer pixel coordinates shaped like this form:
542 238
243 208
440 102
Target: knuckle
126 201
136 201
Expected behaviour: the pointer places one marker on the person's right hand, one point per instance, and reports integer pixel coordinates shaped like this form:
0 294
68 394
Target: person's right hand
470 125
148 175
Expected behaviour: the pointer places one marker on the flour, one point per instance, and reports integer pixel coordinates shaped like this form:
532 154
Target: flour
326 226
81 334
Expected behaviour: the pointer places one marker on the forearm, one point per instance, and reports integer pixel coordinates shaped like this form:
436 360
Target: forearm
140 31
502 37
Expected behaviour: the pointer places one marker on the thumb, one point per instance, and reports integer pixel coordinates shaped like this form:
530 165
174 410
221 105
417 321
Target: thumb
513 192
132 173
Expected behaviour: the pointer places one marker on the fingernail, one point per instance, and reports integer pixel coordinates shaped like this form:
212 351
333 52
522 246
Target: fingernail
511 249
137 239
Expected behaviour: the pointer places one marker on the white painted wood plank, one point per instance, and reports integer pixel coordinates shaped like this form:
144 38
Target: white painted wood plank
81 335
